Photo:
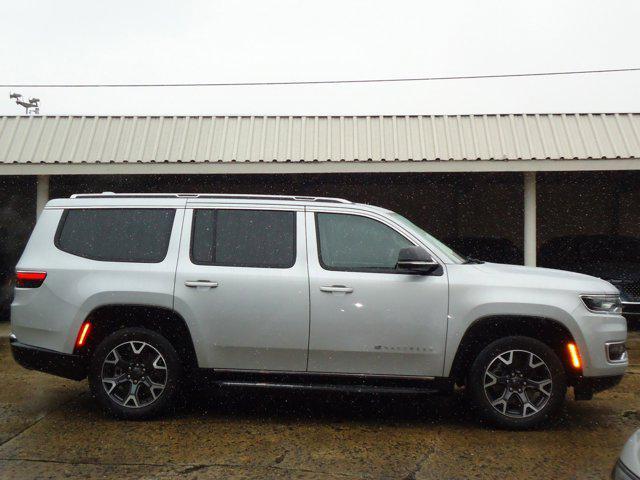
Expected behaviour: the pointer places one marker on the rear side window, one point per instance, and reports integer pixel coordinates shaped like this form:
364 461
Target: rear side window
244 238
138 235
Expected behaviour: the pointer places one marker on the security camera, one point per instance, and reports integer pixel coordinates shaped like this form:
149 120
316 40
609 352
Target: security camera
15 95
34 100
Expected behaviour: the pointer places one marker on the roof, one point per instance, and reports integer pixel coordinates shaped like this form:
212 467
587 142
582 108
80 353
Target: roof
214 196
180 140
179 200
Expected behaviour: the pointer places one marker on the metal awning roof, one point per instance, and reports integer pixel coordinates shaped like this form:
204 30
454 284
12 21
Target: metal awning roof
68 141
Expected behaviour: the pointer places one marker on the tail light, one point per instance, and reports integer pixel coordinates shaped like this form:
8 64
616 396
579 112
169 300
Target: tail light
30 279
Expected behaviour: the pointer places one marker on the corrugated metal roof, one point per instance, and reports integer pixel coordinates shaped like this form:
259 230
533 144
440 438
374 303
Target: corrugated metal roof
65 139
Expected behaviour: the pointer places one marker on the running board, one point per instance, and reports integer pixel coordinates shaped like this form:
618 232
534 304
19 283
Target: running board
331 387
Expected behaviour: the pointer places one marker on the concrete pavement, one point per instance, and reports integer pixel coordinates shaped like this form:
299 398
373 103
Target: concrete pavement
50 428
5 328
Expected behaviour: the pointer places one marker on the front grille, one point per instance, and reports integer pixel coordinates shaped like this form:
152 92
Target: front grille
630 290
630 309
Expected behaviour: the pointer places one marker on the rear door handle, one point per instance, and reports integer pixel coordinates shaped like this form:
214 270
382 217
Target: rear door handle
336 288
200 283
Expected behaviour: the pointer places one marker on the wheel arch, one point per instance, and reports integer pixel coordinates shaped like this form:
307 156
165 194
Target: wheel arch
487 329
107 319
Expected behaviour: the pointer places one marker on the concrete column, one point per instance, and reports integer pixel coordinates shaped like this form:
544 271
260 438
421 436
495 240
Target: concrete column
530 217
42 193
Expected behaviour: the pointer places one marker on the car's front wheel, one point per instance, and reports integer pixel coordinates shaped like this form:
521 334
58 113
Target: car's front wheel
517 383
135 373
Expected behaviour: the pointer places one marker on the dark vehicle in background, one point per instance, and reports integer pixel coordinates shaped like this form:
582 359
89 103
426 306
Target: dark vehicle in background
7 273
6 292
488 249
614 258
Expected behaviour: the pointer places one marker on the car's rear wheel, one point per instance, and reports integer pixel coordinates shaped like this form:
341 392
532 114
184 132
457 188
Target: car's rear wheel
517 383
135 373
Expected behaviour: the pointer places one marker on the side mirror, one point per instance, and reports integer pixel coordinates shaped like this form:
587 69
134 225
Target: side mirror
416 260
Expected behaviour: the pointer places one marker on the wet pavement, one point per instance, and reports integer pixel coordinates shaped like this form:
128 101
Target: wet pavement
50 428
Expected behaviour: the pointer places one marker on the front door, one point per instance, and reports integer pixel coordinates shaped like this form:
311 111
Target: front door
242 283
367 318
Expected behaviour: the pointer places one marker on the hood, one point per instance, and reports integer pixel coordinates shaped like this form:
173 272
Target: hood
536 277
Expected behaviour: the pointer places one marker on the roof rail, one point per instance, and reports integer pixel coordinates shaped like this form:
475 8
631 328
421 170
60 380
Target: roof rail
299 198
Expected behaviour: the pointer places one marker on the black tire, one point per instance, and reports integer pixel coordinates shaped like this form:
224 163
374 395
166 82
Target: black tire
150 402
548 398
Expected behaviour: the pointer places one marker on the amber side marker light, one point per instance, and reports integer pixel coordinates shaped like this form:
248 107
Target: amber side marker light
84 333
575 356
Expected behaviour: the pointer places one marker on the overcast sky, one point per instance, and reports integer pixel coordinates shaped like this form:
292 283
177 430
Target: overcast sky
69 41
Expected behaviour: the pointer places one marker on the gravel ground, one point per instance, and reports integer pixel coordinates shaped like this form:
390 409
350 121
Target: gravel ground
50 428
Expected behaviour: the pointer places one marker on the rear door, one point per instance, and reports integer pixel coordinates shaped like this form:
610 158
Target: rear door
242 281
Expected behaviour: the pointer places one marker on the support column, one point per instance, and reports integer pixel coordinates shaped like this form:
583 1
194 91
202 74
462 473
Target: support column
42 193
530 217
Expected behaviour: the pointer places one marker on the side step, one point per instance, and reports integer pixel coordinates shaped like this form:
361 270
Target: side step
350 388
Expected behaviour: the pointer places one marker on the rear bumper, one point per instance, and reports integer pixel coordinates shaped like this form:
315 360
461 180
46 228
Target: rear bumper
48 361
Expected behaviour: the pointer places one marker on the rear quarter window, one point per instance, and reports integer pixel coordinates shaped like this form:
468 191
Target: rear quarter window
137 235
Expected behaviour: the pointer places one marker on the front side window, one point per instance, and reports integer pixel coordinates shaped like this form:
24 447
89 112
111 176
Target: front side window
244 238
356 243
137 235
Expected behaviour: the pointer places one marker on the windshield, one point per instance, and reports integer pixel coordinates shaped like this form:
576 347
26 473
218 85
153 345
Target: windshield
428 238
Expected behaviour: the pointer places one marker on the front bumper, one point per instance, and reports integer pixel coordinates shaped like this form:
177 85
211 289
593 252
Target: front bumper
61 364
594 331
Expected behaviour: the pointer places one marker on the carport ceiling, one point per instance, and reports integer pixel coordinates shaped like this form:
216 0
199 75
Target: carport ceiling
67 144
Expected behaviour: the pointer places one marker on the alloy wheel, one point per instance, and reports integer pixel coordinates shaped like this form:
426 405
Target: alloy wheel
518 383
134 374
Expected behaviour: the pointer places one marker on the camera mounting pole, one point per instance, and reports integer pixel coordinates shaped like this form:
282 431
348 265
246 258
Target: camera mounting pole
31 107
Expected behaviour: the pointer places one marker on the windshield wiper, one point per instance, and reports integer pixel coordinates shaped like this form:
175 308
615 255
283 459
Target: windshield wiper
469 260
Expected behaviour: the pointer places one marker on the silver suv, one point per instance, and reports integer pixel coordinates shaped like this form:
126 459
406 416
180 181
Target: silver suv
141 292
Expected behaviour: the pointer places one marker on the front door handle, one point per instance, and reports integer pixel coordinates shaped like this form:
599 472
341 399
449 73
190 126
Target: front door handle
200 283
336 288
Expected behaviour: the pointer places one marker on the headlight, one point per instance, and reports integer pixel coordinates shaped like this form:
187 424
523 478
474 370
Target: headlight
602 303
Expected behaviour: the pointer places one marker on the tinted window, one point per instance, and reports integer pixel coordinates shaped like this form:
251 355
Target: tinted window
138 235
244 238
352 242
